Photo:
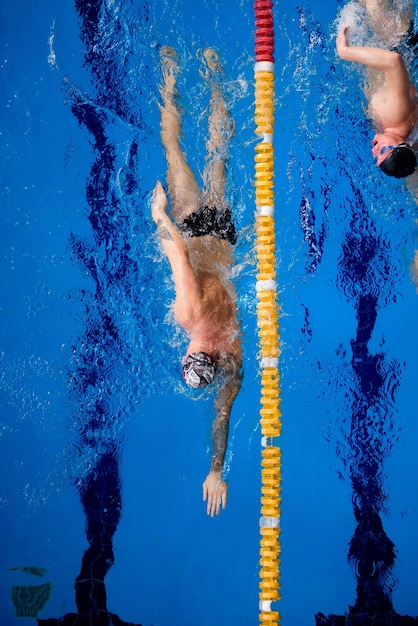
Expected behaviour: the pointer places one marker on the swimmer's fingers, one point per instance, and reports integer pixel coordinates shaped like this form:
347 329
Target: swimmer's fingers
341 41
214 504
209 496
224 496
158 190
220 498
215 491
159 201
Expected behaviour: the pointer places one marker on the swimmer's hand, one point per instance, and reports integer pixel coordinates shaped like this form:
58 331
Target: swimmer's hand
341 42
215 491
159 202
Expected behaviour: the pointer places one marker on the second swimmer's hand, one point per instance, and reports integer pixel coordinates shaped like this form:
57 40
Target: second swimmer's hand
159 202
215 492
341 42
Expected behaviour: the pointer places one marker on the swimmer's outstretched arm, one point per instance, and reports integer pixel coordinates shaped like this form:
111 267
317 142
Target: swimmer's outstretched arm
215 490
185 281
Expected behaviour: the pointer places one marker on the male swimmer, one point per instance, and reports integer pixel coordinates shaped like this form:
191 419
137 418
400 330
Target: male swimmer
198 239
391 96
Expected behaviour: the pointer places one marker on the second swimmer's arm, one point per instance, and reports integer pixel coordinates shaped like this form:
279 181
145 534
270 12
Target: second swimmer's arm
378 58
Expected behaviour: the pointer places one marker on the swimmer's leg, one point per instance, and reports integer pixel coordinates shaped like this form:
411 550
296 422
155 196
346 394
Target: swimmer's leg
182 185
220 131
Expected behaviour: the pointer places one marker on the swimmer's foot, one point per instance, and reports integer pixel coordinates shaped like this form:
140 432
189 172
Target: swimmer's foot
211 65
169 69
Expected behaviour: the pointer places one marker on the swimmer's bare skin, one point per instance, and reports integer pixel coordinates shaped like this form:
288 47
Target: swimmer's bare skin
391 94
393 104
205 302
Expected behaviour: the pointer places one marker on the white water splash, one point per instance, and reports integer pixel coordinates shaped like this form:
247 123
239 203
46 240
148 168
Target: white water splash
354 15
52 59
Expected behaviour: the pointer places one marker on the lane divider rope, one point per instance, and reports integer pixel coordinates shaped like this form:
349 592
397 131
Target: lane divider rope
267 316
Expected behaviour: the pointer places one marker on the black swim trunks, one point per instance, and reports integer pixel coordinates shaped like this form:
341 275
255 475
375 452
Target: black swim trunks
208 220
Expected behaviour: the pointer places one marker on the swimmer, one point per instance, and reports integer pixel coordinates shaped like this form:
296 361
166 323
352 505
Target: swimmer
198 238
392 98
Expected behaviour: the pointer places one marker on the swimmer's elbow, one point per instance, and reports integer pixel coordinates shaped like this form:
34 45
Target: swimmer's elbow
394 61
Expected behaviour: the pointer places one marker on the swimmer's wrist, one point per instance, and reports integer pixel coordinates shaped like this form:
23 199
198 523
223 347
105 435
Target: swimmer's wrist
216 466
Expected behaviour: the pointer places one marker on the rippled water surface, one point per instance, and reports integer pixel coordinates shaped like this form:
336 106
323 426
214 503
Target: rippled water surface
103 452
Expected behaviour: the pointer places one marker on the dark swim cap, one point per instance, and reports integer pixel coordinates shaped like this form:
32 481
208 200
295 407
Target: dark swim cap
401 162
198 370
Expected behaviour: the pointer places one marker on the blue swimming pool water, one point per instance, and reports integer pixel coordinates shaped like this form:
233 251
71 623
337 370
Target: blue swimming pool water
95 424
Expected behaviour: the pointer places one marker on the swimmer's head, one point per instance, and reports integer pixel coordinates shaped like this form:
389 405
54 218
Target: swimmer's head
198 369
400 161
394 157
